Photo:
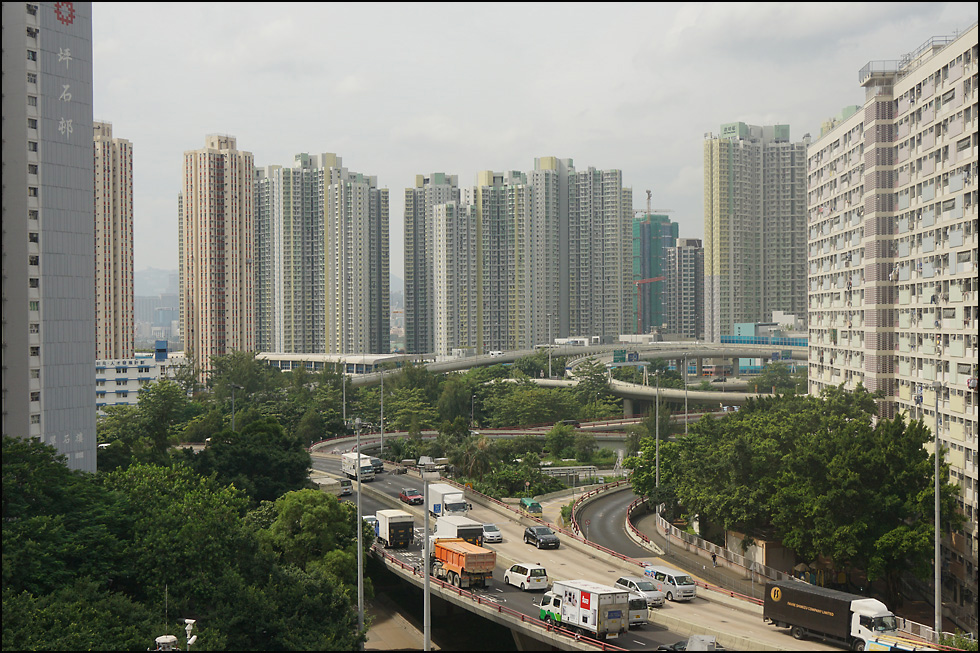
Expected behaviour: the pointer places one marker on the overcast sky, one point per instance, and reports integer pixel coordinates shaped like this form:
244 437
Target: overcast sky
401 89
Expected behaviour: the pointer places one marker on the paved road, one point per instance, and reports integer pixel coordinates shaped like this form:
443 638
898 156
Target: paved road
562 564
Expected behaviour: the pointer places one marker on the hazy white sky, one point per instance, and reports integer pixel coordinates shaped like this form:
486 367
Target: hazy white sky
405 89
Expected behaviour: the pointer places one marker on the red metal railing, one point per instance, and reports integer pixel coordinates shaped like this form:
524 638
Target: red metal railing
500 609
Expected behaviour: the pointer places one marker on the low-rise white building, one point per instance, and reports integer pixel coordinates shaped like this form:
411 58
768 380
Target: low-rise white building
118 382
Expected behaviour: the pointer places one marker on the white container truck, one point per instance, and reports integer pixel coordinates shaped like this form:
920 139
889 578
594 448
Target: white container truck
327 484
598 611
453 526
349 462
395 528
444 499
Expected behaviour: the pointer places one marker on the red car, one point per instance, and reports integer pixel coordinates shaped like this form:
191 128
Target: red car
411 497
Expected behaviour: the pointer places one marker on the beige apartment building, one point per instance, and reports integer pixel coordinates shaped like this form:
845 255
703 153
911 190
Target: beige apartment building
114 328
216 223
892 261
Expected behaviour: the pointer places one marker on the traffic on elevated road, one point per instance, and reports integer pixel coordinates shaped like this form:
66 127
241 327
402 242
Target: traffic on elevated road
568 563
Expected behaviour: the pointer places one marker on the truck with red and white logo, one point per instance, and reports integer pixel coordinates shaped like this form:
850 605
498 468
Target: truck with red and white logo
596 610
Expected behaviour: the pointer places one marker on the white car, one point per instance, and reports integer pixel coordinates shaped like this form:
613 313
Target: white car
492 534
527 576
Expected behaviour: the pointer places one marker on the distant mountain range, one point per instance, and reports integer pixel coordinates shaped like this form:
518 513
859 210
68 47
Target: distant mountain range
154 281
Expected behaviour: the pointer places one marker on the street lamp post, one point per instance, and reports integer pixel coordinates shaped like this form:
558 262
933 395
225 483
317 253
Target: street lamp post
549 345
382 414
426 601
658 434
360 532
233 386
685 396
938 596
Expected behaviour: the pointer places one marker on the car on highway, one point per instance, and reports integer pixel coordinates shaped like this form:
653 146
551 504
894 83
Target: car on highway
682 645
527 576
644 587
411 497
492 534
542 537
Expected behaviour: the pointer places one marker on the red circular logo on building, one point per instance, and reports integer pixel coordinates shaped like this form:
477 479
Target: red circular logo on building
65 11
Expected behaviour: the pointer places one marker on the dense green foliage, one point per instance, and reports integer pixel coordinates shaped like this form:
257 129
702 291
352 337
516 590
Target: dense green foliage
89 559
817 474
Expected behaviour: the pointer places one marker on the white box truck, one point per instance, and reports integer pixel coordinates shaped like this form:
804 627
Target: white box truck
595 610
453 526
444 499
349 462
396 528
327 484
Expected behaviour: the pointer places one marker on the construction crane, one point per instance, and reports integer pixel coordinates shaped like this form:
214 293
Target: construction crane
638 297
648 209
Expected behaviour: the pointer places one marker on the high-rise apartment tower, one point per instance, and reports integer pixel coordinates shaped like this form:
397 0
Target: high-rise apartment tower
216 225
114 327
892 262
429 192
48 232
754 226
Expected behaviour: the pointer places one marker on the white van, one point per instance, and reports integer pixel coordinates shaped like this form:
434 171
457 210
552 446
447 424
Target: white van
676 585
527 576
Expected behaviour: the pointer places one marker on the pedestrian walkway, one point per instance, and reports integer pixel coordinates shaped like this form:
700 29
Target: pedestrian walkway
734 579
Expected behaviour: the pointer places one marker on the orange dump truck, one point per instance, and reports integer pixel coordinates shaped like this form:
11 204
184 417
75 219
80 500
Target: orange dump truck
462 564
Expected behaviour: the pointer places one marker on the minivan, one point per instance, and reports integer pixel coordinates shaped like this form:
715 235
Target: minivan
637 610
530 507
527 576
644 587
676 585
378 464
346 487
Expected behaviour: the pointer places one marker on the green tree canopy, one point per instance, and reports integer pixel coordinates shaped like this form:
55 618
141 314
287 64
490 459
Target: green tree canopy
816 473
261 459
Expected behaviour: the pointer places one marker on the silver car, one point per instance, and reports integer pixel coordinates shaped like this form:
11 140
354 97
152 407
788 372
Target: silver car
644 587
492 534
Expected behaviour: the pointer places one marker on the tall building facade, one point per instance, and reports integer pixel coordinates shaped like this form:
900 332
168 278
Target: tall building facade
684 289
48 275
754 225
216 222
600 252
322 258
420 202
355 226
653 235
455 280
504 207
892 262
114 311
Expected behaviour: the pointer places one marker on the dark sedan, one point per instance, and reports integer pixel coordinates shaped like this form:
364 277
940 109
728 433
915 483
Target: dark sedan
542 537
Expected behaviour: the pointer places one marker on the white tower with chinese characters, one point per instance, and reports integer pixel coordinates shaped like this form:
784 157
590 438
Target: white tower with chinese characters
48 240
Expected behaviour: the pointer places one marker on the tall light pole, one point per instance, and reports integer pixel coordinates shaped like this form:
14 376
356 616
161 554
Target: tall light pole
685 396
382 414
426 601
472 403
343 380
937 387
549 345
233 386
658 433
360 532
